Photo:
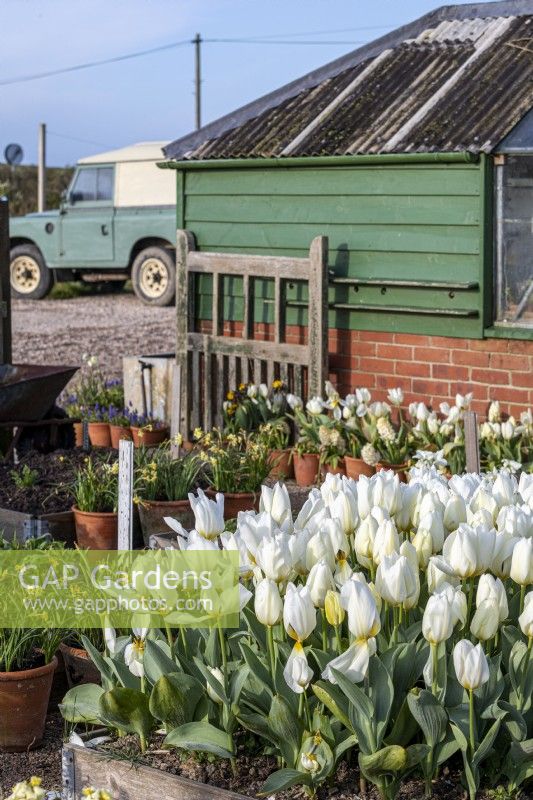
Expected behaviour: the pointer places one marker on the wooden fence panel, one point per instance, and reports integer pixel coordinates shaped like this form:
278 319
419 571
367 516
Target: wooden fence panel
209 364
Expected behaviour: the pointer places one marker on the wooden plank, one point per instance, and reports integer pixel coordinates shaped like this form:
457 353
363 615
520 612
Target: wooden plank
184 243
236 264
125 495
284 372
357 209
471 442
232 372
83 767
258 369
207 384
245 369
270 373
5 285
318 316
248 315
196 401
279 309
427 179
257 349
217 314
298 381
220 389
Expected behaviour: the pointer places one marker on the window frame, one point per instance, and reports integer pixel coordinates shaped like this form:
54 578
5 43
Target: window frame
91 203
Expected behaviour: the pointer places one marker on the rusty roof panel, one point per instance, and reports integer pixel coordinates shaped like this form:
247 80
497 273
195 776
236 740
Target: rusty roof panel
455 84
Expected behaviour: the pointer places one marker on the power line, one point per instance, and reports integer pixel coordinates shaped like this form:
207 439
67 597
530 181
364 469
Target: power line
78 139
324 33
278 41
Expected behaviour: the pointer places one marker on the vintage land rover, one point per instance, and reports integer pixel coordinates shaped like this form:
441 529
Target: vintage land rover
117 221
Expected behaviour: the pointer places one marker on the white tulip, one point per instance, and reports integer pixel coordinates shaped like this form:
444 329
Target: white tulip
320 548
298 548
516 520
319 582
216 673
338 539
386 491
309 762
433 523
409 500
454 513
360 605
508 430
353 662
134 652
490 588
299 613
485 621
483 499
397 580
464 485
522 562
333 609
273 557
315 406
344 509
268 604
439 572
471 665
343 572
297 673
437 622
208 514
295 403
233 542
525 487
470 551
525 620
253 528
503 554
395 396
456 600
423 544
312 506
494 412
504 489
276 502
386 541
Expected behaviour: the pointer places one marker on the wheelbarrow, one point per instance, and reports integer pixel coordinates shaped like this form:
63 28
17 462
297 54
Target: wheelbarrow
28 394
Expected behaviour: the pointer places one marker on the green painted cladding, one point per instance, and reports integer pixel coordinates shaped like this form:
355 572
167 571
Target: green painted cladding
421 222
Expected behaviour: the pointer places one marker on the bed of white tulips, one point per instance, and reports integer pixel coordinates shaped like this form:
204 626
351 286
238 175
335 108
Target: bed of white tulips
388 624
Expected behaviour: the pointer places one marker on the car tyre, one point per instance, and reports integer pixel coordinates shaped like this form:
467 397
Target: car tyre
153 276
30 277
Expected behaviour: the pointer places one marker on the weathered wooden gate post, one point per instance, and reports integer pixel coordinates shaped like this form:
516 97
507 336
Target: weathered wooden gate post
125 495
471 442
317 319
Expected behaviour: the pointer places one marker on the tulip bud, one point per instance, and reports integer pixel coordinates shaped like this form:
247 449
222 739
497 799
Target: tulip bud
423 546
276 502
208 514
273 557
334 611
299 614
309 762
486 620
437 622
217 673
319 582
525 620
297 672
454 512
386 542
439 572
396 580
471 665
490 588
522 562
268 604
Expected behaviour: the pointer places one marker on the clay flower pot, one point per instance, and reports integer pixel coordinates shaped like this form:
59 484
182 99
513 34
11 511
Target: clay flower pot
119 432
24 698
152 513
399 469
237 501
99 434
78 433
306 468
96 530
355 467
142 436
340 469
78 665
282 466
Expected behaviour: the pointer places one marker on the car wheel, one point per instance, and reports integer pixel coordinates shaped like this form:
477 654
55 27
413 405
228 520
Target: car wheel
30 277
153 276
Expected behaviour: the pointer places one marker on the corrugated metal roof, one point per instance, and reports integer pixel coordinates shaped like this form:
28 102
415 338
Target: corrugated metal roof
458 79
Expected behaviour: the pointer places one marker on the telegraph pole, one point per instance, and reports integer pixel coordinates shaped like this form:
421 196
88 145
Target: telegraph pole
198 80
41 169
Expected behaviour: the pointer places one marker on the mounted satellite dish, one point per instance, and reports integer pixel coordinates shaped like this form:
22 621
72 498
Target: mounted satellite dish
13 154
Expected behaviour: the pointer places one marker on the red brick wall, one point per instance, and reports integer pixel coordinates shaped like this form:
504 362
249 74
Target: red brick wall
428 368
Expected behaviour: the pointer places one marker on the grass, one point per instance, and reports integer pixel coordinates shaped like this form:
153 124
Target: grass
69 290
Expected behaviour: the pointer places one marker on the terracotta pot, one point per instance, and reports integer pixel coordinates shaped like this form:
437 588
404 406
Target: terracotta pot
152 513
24 698
306 468
237 501
99 434
96 530
340 469
78 433
141 436
399 469
282 465
355 467
78 666
119 432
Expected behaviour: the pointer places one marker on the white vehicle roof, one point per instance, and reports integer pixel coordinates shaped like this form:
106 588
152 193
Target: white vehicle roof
142 151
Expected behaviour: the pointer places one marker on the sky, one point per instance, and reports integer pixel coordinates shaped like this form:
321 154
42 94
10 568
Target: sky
152 97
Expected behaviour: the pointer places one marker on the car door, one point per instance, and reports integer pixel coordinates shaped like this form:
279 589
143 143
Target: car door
86 222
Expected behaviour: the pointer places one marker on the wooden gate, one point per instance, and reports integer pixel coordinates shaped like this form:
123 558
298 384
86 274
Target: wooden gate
209 364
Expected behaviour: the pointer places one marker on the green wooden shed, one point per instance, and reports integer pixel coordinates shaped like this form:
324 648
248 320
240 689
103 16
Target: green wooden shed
414 155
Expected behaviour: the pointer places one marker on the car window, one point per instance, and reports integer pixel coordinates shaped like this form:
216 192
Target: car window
104 183
84 186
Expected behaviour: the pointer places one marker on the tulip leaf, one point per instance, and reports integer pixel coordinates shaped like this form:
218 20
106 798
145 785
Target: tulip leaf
486 745
415 754
215 684
284 779
174 698
102 664
256 666
346 744
258 724
203 737
157 660
334 701
128 710
237 682
125 677
287 729
405 727
447 749
82 704
430 715
381 695
387 761
256 629
355 695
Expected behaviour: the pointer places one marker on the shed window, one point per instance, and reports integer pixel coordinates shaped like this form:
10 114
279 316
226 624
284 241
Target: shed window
514 241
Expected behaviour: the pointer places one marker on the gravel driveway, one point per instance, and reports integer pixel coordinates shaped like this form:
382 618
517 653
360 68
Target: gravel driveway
109 326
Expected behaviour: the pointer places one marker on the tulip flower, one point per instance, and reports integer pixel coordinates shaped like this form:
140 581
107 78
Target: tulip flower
217 673
470 550
386 541
253 528
439 572
504 489
438 619
353 662
315 406
397 581
423 545
515 520
344 509
386 491
364 541
457 601
471 666
522 562
335 613
273 557
343 572
268 604
297 672
503 554
312 506
208 514
298 549
276 502
320 548
395 396
299 614
485 622
525 620
483 499
233 542
492 588
339 540
309 762
320 582
360 605
409 500
134 653
454 512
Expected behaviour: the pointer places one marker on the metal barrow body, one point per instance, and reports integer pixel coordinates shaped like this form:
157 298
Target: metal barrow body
29 391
